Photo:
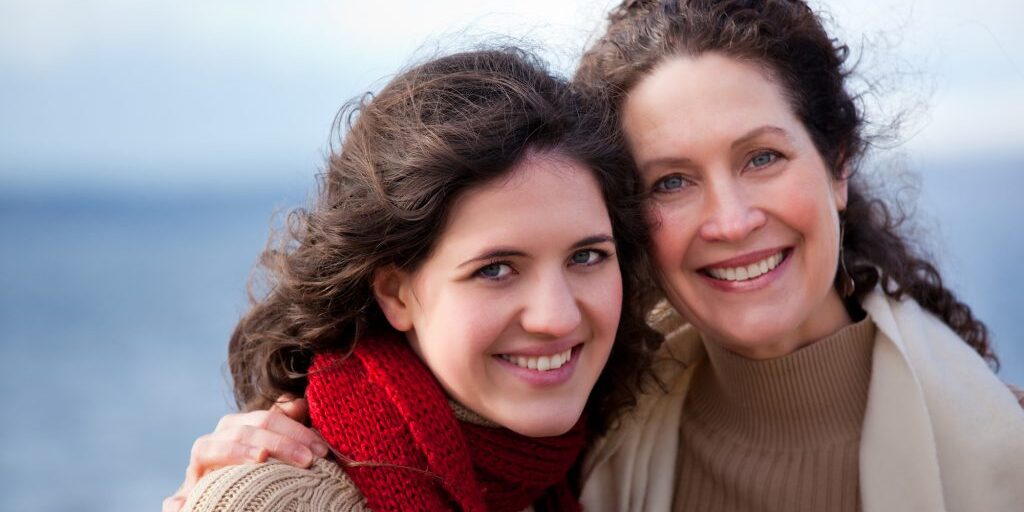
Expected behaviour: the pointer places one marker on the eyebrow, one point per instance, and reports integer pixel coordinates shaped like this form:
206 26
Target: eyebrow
592 240
672 161
493 254
759 131
669 161
505 252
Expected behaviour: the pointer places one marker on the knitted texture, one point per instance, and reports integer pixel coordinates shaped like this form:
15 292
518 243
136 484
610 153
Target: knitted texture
384 412
278 487
776 435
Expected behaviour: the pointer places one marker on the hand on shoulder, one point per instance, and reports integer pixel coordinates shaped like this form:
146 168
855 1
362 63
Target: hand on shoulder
252 437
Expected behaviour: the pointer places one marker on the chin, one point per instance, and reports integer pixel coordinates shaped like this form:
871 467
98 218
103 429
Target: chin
539 425
764 343
744 338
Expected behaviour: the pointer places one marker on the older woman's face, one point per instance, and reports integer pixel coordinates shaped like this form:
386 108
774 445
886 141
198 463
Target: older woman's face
743 209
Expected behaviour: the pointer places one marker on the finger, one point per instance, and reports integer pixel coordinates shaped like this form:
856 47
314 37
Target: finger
234 420
283 446
290 428
214 451
173 503
294 407
230 444
277 422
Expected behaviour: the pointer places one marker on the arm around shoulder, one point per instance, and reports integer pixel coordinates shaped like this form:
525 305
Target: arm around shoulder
276 486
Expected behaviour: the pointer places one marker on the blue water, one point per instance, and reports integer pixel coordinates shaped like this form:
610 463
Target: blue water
115 308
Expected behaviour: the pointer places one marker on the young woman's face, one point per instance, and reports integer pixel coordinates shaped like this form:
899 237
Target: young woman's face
516 309
744 212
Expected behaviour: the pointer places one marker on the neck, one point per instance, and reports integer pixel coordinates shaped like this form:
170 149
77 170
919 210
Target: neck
828 319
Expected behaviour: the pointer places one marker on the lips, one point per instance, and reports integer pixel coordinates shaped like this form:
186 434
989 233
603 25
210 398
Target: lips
561 359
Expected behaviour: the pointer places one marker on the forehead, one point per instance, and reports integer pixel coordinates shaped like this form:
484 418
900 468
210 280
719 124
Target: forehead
692 100
542 196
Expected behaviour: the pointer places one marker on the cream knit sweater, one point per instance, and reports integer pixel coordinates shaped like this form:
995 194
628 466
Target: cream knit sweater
277 487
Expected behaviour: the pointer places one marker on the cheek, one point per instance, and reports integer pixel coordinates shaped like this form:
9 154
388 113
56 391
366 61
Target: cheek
606 299
669 236
461 326
810 197
814 216
598 295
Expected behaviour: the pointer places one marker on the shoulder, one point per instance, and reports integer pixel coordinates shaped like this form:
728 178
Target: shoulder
620 470
275 485
938 358
917 332
1018 393
682 343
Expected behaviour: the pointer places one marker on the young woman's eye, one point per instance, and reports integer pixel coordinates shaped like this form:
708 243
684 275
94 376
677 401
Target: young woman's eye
670 183
764 158
495 271
588 257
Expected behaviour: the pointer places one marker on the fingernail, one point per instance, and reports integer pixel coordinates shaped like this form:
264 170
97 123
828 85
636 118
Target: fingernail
321 450
303 456
256 454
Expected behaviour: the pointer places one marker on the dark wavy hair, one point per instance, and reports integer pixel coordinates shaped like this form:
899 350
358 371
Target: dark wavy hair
430 135
787 39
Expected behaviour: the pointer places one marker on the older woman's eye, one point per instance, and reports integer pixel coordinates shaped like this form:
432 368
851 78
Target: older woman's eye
670 183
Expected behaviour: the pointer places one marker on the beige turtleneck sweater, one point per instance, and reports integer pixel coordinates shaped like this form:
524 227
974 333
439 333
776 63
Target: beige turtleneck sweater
780 434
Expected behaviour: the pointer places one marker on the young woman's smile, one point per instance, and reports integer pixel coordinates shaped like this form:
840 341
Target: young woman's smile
743 210
516 308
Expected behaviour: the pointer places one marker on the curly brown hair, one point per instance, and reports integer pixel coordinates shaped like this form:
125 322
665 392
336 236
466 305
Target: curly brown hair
431 134
787 39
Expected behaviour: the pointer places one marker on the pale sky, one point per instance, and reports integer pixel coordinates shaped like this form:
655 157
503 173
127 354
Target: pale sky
193 93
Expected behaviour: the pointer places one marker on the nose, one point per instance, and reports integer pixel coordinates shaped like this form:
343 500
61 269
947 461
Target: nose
729 214
551 309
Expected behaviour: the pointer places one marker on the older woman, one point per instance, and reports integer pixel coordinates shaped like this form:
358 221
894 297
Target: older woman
829 367
814 359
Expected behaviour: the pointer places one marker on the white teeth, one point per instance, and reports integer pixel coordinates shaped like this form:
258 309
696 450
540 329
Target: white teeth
751 271
540 363
543 364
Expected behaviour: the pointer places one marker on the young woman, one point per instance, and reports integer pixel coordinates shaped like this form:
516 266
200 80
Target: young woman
825 366
448 304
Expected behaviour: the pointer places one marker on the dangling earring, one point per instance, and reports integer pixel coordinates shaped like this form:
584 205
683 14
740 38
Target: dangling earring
846 284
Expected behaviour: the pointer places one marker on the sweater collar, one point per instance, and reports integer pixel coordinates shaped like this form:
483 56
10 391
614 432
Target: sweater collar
815 396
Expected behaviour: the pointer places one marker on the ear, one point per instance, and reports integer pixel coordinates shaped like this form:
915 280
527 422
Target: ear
389 285
840 189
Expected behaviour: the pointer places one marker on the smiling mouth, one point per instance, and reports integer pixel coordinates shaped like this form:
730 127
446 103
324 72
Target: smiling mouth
540 363
747 272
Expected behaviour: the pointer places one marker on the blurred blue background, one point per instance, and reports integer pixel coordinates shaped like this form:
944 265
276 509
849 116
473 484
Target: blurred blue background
144 146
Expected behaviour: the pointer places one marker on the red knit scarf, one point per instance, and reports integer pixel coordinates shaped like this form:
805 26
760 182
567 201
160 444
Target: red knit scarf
383 409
